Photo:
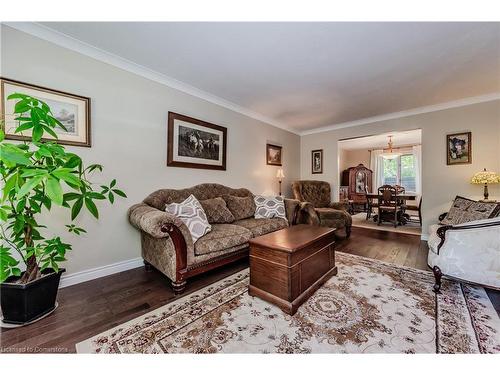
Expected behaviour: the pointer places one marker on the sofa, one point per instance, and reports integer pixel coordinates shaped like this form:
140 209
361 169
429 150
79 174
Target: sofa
167 244
468 251
328 214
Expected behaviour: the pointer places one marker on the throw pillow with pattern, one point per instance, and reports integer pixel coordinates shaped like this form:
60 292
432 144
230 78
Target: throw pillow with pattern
464 210
217 211
269 207
191 213
240 207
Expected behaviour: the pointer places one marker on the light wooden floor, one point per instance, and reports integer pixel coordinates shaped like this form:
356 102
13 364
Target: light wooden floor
90 308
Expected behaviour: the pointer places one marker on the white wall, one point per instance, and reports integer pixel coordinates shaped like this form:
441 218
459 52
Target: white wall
129 117
441 183
351 158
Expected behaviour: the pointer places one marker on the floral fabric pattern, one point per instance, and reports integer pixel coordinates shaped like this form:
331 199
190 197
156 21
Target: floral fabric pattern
222 236
369 307
465 210
217 211
240 207
259 227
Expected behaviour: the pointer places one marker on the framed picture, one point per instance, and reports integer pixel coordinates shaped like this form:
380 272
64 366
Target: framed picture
195 143
459 148
73 111
316 161
274 155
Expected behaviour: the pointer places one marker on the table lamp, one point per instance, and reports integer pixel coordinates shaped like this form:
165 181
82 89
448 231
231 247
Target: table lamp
280 176
485 177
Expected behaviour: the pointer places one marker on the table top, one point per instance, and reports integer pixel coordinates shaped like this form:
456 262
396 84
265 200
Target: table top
410 197
292 238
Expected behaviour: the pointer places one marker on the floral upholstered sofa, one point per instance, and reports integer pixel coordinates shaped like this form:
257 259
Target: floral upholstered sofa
167 244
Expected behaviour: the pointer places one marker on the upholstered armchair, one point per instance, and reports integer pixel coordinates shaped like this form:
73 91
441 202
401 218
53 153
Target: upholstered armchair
468 251
329 214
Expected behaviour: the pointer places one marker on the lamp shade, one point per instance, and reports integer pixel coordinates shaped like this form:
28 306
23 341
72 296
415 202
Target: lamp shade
280 174
485 177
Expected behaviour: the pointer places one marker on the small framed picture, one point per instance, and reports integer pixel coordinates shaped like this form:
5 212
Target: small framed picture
73 111
195 143
316 161
459 148
274 155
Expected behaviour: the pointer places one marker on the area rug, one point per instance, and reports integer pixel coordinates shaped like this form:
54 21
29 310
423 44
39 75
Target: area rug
359 220
369 307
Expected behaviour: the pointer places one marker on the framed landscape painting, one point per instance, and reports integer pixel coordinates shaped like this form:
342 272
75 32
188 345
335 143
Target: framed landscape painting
316 161
274 155
195 143
459 148
73 111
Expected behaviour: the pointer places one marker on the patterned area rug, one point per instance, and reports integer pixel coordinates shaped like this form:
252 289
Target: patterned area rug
369 307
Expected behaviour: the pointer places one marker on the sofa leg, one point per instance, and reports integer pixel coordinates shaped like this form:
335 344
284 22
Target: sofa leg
148 267
178 287
437 276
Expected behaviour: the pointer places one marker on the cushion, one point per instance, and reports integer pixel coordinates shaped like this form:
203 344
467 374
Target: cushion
464 210
221 237
269 207
259 227
217 211
240 207
191 213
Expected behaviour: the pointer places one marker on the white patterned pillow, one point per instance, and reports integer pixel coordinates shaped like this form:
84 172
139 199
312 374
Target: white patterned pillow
191 213
269 207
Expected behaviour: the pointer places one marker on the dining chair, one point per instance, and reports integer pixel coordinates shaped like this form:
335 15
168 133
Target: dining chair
415 207
389 206
371 203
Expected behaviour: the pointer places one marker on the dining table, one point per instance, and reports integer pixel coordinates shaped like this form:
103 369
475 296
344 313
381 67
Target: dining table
403 219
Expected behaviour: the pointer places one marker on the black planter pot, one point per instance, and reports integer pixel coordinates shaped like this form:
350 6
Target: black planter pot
23 303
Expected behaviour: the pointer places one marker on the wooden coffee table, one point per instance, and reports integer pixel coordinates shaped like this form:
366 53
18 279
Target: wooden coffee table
289 265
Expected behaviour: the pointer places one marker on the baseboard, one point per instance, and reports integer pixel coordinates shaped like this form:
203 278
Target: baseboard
95 273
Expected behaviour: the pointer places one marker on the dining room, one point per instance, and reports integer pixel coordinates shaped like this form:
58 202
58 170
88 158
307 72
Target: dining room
381 180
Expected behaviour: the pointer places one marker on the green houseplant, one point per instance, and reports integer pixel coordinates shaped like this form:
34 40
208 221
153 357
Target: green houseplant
37 175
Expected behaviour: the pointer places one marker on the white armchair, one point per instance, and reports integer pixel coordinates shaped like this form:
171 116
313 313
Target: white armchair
469 252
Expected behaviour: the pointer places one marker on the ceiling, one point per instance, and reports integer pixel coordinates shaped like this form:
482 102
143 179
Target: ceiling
311 75
406 138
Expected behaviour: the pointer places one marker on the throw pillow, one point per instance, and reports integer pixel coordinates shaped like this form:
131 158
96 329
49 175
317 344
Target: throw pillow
269 207
240 207
217 211
191 213
464 210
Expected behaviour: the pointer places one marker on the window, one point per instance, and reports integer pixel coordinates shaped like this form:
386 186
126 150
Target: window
400 171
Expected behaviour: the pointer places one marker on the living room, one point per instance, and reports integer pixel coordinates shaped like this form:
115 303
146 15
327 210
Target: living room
250 187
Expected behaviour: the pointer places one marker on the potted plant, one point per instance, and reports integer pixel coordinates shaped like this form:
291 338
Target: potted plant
37 175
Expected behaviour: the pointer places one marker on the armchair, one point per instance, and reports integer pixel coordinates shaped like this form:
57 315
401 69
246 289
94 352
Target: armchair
468 251
325 213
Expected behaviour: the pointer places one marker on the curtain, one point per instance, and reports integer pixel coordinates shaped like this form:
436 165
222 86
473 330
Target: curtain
417 155
377 166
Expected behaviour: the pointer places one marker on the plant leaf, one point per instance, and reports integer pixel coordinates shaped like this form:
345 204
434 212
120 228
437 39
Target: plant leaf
92 207
77 207
29 185
54 191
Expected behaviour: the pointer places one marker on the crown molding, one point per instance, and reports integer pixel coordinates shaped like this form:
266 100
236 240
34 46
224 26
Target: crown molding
68 42
406 113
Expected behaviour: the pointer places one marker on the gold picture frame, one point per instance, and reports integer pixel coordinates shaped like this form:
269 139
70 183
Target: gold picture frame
72 110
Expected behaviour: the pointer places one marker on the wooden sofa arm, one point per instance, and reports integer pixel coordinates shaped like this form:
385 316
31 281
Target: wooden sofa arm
442 216
441 231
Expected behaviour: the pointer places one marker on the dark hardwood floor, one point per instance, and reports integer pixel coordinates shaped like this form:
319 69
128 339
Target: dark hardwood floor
90 308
